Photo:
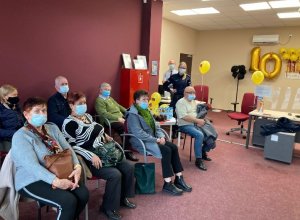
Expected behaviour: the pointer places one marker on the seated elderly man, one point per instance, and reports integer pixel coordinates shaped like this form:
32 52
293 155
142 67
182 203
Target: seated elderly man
186 109
107 107
58 106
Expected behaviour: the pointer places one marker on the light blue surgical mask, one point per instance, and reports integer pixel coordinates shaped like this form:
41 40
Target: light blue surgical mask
191 97
181 71
172 66
37 120
80 109
143 105
64 89
106 93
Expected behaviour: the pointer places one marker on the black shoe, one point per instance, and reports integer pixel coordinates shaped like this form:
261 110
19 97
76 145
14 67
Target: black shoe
130 156
112 214
128 204
199 163
172 189
180 183
205 157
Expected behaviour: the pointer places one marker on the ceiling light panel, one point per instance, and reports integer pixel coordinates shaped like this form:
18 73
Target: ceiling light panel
285 4
289 15
255 6
184 12
208 10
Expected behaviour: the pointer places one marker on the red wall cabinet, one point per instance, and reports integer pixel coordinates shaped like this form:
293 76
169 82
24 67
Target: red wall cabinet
132 80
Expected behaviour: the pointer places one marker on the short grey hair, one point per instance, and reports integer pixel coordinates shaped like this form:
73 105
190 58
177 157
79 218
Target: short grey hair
105 84
58 78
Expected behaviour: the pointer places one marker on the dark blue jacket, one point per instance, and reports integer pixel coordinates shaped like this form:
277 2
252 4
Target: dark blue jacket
179 84
10 122
58 109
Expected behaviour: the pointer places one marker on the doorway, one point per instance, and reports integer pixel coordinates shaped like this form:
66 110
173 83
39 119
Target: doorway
188 59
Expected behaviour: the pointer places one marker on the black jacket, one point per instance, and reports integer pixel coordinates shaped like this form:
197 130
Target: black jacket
281 125
10 122
58 109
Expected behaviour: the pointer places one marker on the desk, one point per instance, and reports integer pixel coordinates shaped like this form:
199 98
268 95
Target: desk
268 114
170 123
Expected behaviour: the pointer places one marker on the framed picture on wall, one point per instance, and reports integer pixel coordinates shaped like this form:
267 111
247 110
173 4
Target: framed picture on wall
127 61
144 60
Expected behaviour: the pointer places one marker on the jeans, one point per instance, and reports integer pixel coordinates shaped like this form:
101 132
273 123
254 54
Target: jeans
197 134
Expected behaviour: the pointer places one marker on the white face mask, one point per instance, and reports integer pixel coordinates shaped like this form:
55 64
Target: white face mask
182 71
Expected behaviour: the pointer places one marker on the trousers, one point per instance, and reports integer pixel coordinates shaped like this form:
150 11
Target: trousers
69 203
119 183
170 162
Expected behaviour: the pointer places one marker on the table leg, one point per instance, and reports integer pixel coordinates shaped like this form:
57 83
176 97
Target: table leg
178 139
248 131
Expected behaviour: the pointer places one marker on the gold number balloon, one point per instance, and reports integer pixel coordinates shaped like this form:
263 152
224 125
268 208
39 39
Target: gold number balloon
277 67
255 54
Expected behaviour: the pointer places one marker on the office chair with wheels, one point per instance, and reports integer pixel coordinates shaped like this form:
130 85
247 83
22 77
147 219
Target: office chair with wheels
248 104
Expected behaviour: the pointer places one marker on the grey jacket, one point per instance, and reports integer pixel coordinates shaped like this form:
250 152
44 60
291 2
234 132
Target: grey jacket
137 126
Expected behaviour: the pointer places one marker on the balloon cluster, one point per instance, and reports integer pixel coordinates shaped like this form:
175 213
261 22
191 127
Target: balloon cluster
291 54
238 71
154 102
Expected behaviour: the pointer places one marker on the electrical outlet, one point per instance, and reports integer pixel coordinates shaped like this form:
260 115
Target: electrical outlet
290 35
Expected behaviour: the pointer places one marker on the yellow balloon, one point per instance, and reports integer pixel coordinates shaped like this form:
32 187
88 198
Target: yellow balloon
204 67
257 77
255 54
294 57
298 52
282 51
286 56
155 98
277 66
291 51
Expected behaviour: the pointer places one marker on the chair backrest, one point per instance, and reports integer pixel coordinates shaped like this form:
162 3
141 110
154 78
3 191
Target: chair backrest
202 93
248 103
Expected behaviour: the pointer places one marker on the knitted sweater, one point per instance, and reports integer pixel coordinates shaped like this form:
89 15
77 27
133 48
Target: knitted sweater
109 108
28 152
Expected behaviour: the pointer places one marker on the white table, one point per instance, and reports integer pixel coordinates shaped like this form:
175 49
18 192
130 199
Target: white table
268 114
170 123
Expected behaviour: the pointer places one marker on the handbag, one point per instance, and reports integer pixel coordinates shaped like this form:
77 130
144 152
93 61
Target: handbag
110 154
61 164
144 178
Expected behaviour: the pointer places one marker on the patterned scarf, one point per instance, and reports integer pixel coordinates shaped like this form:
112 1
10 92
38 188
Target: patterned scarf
146 114
50 143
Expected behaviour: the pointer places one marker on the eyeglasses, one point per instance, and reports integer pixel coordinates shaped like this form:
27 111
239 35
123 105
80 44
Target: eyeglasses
190 92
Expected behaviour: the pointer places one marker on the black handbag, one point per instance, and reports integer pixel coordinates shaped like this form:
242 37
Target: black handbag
110 154
145 178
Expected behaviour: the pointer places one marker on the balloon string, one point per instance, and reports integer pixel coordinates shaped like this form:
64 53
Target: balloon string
202 88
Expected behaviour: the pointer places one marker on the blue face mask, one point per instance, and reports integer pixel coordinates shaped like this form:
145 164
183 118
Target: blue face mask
143 105
80 109
64 89
38 120
191 97
105 93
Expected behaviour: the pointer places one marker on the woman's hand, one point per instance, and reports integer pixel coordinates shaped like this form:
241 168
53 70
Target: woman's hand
96 162
161 140
200 122
76 175
62 183
108 138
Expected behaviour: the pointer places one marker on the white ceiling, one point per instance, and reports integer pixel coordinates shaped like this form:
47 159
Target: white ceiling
231 15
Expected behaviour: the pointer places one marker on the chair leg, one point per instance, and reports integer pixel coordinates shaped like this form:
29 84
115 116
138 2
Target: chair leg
191 145
39 217
183 141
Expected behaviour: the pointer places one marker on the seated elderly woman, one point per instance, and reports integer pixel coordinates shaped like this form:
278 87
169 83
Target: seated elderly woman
11 118
30 145
141 123
85 135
